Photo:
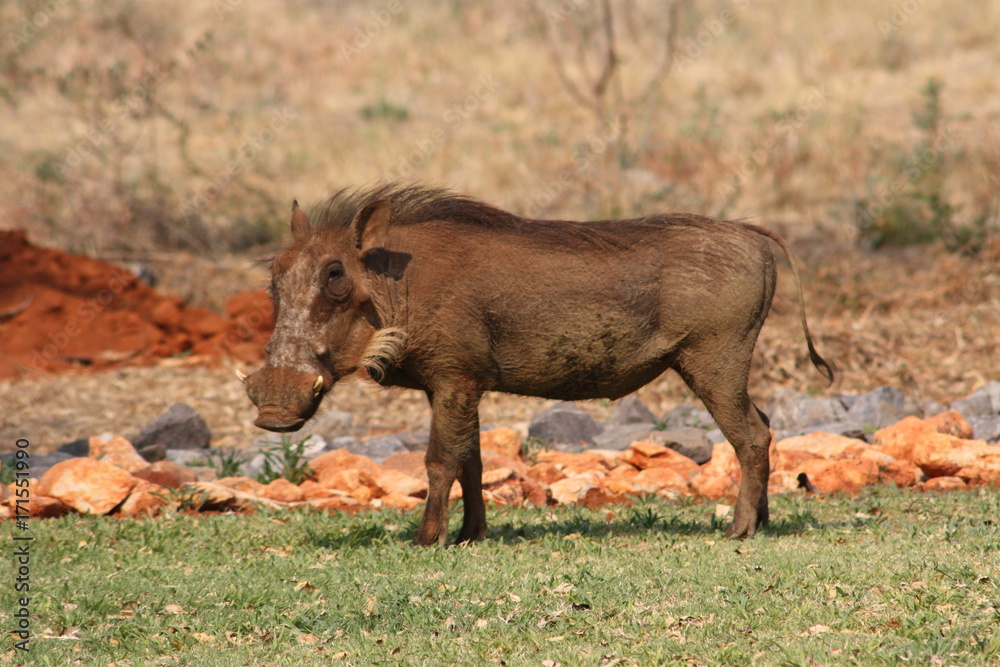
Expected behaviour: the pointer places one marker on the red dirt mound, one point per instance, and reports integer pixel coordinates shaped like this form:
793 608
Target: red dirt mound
60 311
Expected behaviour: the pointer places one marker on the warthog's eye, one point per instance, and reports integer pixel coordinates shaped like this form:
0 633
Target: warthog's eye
337 284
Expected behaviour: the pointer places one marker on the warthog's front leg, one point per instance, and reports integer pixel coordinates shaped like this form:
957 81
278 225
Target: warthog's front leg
453 451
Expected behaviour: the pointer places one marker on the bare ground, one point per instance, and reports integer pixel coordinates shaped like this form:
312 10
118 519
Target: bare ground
923 320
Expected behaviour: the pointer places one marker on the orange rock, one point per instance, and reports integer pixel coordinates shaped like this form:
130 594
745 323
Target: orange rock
571 490
498 476
645 455
941 455
42 507
313 491
792 452
843 475
283 491
355 482
946 483
412 463
400 502
239 483
166 473
503 441
494 461
573 464
336 504
546 472
783 481
87 485
398 483
660 480
118 451
535 492
508 492
899 439
331 463
146 499
984 472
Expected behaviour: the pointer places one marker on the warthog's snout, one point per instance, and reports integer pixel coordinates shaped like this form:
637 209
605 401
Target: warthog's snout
285 397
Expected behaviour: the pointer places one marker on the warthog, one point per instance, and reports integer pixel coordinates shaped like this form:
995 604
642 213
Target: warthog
429 290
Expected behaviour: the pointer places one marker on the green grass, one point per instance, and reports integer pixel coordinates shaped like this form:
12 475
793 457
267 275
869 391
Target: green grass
884 578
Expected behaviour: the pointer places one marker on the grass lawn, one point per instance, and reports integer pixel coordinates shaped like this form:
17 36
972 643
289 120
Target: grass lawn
886 577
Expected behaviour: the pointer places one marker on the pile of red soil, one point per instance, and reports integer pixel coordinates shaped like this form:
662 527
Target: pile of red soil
60 311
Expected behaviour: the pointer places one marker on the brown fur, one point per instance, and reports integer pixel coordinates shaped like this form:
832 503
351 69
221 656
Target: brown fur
439 292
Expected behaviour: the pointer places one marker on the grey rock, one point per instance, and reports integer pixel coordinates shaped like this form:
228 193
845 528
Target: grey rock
882 407
415 441
847 429
983 402
180 427
693 443
77 448
348 442
153 453
563 424
330 424
312 446
687 416
186 457
39 464
985 428
380 447
715 436
791 410
253 465
629 410
619 437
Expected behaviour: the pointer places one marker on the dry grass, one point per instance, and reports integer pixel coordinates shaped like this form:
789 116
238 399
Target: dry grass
792 114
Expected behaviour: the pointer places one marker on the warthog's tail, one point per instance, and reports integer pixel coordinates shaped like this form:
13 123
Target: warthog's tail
817 361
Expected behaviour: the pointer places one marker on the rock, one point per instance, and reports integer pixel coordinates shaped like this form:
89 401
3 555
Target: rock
76 448
309 446
985 428
572 465
216 496
400 502
380 447
396 482
571 490
720 477
508 492
39 464
687 416
357 483
246 484
348 442
145 500
283 491
546 472
180 427
503 441
87 485
42 507
330 424
619 437
942 455
494 461
792 452
411 463
840 475
661 481
330 463
899 439
166 473
153 453
564 427
692 442
715 436
118 451
647 455
790 410
415 440
783 481
629 410
946 483
535 493
188 457
312 491
881 407
983 402
204 473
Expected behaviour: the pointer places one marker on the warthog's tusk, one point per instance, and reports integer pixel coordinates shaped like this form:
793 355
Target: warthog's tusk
241 375
318 384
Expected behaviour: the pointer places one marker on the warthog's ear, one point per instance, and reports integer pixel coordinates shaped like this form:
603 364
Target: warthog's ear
370 226
300 223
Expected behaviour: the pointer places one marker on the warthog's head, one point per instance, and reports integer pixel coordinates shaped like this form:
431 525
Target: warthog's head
326 326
